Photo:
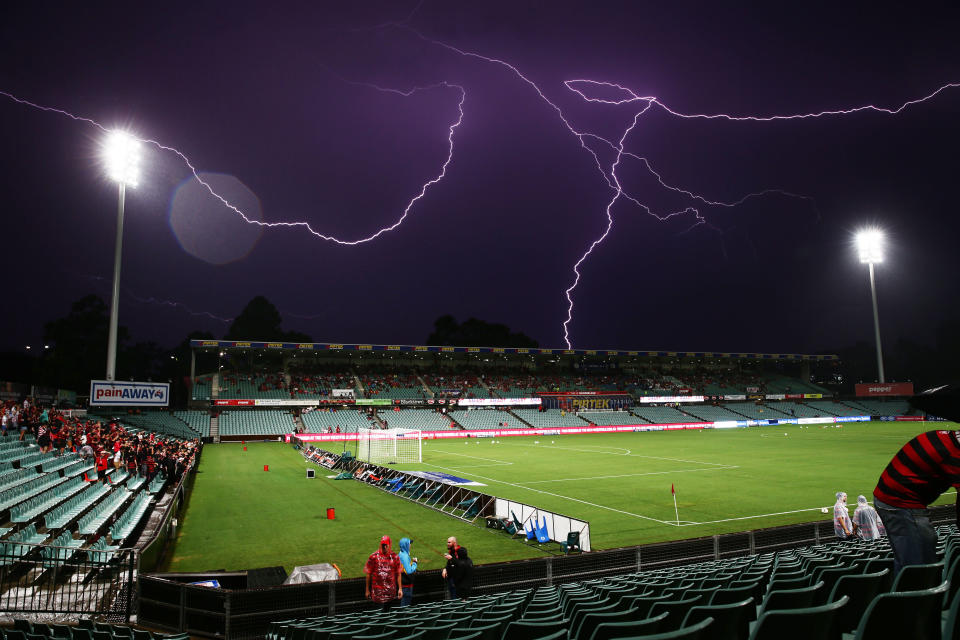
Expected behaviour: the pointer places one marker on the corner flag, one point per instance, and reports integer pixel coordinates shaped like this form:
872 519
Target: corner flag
675 510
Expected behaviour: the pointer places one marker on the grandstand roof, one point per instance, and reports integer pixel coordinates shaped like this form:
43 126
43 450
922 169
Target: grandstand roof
326 346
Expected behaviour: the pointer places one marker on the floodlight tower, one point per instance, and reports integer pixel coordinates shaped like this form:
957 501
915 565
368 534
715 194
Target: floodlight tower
121 153
870 249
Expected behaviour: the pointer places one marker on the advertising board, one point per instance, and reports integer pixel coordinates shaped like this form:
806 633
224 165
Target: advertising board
106 393
874 389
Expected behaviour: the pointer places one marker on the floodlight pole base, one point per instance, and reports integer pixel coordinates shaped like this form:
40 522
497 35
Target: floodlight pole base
876 325
115 294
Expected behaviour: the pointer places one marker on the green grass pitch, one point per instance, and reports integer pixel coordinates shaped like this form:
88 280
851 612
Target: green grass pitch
726 480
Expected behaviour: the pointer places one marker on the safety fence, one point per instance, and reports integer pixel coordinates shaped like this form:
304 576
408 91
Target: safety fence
167 602
67 582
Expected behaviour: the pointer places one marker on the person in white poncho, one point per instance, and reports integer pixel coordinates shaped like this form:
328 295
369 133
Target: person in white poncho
866 520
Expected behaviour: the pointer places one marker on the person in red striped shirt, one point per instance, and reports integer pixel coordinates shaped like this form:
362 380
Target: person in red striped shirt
918 474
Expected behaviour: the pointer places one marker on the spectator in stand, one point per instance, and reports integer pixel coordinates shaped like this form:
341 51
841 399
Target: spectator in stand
866 521
383 575
103 461
43 436
408 564
842 526
449 571
918 474
463 573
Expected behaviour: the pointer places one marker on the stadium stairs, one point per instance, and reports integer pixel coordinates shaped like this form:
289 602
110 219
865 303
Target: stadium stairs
427 391
215 386
520 420
361 392
215 428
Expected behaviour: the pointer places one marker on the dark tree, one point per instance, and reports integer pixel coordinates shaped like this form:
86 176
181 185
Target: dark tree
260 320
78 346
476 333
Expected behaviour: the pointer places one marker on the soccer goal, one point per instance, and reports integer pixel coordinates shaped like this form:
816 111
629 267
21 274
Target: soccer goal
383 446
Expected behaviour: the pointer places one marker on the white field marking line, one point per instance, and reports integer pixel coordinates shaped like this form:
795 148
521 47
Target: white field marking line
632 455
467 455
687 523
633 475
558 495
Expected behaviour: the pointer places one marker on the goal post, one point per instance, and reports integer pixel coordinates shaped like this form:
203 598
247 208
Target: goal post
384 446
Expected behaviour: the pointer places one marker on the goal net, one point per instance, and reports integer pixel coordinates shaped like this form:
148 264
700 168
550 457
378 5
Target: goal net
384 446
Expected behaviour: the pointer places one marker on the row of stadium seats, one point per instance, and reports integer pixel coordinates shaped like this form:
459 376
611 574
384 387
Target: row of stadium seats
422 419
348 421
549 418
814 592
85 629
407 383
246 423
485 419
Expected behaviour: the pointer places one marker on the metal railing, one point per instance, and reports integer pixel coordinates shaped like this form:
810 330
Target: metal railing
44 579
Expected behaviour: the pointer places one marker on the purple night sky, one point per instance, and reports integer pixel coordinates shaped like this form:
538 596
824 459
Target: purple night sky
306 115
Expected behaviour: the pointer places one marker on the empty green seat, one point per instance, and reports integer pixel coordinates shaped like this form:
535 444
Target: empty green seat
903 614
803 623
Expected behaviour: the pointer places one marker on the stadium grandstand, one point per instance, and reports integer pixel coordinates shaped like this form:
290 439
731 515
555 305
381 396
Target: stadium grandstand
56 513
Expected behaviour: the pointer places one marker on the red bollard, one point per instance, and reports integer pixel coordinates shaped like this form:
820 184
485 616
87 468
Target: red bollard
266 467
331 515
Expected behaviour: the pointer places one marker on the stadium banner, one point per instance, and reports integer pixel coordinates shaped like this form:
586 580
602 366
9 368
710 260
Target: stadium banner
910 418
582 393
278 402
503 433
341 393
740 396
263 402
887 389
776 396
852 419
498 402
668 399
812 396
817 420
107 393
373 402
793 396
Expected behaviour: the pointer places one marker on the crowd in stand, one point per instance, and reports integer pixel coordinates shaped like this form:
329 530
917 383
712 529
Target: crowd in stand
464 382
107 442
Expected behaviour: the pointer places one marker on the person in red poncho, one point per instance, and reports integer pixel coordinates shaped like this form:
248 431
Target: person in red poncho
383 575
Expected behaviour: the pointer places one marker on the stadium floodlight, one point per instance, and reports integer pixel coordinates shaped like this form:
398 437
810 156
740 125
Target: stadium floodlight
870 249
870 246
121 154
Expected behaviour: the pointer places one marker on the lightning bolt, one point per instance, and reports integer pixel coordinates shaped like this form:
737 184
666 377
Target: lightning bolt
304 225
631 97
577 86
